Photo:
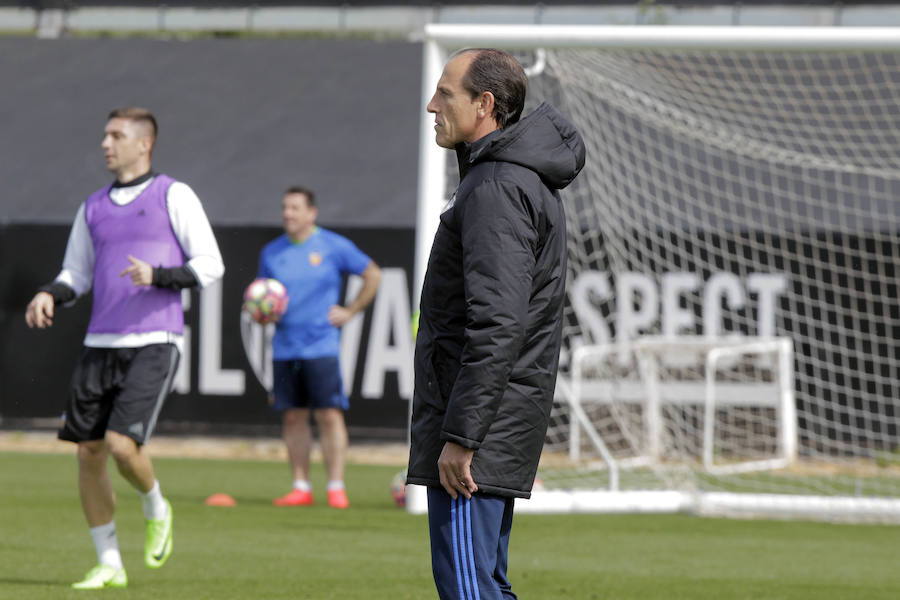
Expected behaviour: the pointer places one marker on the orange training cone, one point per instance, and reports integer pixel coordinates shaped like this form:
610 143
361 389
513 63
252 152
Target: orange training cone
220 500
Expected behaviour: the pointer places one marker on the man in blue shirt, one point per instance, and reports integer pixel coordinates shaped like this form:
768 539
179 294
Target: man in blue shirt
311 262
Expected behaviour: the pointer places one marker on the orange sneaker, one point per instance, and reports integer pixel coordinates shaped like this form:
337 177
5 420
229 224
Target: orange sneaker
295 498
338 499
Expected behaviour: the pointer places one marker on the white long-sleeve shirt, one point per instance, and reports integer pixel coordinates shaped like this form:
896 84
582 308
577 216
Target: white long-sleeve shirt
194 234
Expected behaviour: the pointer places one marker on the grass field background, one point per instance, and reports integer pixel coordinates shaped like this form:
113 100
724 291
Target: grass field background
376 551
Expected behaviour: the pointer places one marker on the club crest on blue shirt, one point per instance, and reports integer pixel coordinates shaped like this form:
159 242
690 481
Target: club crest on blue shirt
315 259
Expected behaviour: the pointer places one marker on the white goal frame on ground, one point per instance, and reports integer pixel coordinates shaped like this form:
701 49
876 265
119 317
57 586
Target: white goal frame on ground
439 42
650 352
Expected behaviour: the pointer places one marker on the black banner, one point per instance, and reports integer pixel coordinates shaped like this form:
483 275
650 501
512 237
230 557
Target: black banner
219 388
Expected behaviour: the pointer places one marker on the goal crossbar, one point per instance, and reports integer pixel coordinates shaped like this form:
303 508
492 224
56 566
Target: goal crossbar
664 36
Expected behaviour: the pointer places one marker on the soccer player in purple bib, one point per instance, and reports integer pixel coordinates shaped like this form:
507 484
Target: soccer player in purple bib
311 262
137 242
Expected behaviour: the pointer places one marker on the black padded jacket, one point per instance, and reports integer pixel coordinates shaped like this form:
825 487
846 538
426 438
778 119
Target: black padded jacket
490 320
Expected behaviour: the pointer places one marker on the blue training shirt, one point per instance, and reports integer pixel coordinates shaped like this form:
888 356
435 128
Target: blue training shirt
312 271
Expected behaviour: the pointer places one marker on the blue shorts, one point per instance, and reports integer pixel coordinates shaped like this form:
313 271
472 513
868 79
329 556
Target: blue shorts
308 383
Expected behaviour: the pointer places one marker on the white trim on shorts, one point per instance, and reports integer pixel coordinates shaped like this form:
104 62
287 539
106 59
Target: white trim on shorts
163 392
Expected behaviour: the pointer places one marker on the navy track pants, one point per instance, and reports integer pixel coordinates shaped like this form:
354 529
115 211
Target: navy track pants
469 545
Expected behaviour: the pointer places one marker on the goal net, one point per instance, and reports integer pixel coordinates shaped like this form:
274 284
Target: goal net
732 318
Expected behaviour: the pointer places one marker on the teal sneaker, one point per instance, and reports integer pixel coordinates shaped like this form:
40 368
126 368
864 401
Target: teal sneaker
102 576
158 544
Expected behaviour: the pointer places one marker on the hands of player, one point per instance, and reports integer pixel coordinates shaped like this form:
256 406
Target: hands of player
265 319
453 465
141 272
40 311
338 315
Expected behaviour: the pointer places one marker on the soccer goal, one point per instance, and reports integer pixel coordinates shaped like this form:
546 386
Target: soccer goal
734 240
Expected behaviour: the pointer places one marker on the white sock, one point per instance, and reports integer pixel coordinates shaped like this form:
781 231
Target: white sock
302 485
153 503
335 485
107 544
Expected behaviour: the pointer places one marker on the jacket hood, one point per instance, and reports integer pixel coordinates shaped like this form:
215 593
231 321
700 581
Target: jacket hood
543 141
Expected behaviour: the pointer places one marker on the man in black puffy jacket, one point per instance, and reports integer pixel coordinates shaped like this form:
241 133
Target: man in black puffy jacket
490 321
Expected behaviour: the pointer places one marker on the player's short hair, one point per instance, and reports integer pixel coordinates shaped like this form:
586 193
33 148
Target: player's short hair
137 114
499 73
299 189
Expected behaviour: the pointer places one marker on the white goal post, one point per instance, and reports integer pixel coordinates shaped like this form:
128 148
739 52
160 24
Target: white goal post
730 335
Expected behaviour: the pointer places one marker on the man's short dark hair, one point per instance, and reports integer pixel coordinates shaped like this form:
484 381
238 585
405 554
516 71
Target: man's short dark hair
134 113
299 189
497 72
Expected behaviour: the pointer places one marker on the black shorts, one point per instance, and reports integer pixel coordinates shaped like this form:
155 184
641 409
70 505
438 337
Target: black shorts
119 389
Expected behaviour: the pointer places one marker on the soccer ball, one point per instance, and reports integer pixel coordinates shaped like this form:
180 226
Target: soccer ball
265 300
398 488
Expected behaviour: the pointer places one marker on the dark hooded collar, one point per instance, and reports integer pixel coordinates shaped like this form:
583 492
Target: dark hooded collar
543 141
467 153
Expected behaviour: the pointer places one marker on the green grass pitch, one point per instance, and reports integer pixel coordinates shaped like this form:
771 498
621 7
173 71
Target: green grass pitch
377 551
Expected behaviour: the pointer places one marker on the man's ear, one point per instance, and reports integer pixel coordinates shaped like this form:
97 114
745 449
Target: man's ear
146 143
486 105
